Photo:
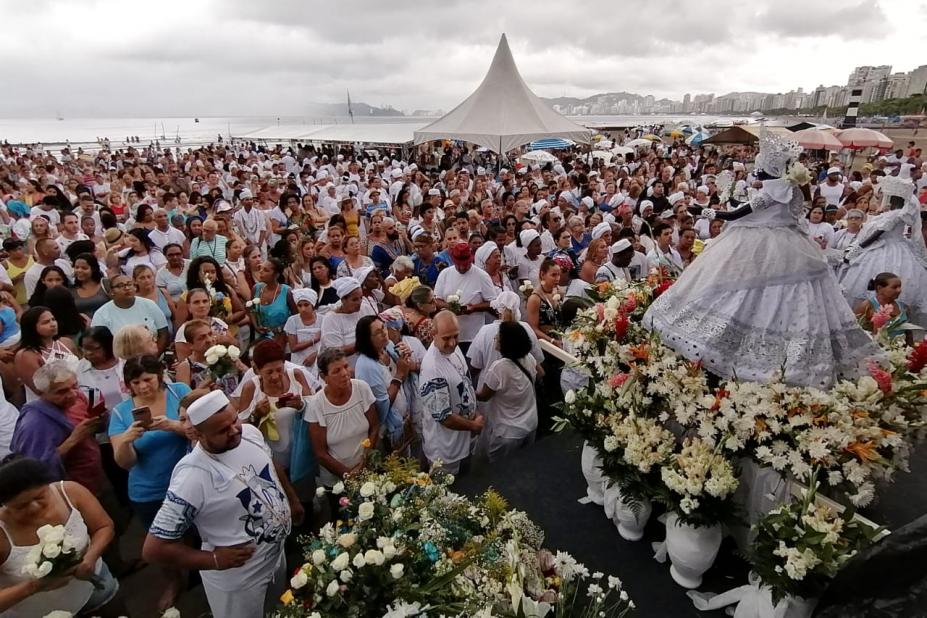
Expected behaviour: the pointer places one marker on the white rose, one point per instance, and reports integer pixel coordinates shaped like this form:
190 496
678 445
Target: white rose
368 489
570 396
299 580
69 543
397 570
318 557
374 557
365 511
358 561
332 589
51 550
211 359
51 534
345 576
341 561
221 350
389 551
44 569
338 488
347 540
320 492
171 612
234 352
59 613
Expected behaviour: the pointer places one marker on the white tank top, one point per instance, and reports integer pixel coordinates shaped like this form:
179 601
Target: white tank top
71 597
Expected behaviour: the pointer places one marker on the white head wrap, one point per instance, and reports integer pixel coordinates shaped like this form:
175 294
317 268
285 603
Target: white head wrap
507 300
675 197
346 285
528 236
305 294
207 405
601 229
483 254
362 273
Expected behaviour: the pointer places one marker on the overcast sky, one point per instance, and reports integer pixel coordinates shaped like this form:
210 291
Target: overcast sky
269 57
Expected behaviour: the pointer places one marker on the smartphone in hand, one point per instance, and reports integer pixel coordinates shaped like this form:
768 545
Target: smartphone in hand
142 415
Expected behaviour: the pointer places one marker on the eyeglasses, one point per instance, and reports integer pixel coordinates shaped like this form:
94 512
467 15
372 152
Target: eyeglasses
124 286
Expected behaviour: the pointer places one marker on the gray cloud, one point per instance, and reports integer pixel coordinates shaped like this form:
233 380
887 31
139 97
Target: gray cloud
242 57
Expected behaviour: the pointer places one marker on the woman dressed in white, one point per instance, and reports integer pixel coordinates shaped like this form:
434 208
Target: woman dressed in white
761 301
882 246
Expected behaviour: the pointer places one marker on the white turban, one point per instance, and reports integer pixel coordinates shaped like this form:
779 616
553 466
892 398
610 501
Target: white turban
675 197
507 300
207 405
362 273
346 285
527 237
484 253
305 294
601 229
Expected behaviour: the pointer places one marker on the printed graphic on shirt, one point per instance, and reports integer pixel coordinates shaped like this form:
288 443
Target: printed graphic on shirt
266 512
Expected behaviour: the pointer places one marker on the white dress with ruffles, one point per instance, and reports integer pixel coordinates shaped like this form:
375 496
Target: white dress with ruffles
761 303
891 252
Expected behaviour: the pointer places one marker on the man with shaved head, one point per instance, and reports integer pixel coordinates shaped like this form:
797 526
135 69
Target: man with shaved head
449 402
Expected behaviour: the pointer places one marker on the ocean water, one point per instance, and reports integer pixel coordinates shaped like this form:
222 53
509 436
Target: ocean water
86 131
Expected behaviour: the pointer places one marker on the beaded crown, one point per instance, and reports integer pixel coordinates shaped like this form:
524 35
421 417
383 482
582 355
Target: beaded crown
776 151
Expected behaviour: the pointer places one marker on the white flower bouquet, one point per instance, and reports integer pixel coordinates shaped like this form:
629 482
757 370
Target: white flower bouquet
800 547
55 554
223 365
453 301
526 288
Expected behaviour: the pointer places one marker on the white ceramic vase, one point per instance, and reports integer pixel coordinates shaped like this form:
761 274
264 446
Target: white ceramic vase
692 550
592 470
630 524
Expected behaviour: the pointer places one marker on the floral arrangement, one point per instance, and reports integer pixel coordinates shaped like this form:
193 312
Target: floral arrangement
667 431
407 546
55 554
404 288
223 365
526 288
453 301
800 547
221 305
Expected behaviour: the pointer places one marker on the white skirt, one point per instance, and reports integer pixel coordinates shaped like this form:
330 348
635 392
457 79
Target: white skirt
761 304
893 255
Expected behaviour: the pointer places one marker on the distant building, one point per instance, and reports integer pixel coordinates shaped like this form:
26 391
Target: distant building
917 81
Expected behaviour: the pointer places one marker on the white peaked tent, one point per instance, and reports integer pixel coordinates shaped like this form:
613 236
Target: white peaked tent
502 113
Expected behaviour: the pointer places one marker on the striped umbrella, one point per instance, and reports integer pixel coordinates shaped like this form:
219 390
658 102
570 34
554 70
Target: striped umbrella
550 143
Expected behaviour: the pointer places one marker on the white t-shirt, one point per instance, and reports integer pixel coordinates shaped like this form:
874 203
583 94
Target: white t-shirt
294 326
65 242
475 287
174 284
338 331
445 389
143 311
31 278
153 260
831 193
513 410
346 426
529 269
53 215
232 498
161 239
483 351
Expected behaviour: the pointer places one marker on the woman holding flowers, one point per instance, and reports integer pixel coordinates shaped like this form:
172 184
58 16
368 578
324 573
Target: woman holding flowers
199 305
272 303
882 307
38 513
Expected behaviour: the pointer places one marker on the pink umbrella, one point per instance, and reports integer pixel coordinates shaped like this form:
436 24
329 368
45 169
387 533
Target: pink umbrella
859 137
816 139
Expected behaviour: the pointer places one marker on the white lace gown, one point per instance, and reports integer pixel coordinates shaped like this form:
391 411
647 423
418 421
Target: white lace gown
891 252
761 300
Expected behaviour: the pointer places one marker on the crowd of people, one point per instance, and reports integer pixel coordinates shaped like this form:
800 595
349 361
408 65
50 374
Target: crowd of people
211 339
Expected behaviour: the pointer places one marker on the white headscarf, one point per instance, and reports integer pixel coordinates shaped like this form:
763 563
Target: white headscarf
305 294
346 285
484 253
507 300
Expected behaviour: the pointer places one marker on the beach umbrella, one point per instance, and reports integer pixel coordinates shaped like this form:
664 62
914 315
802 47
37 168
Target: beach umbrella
688 130
622 150
635 143
538 156
859 137
550 143
815 139
601 154
697 138
676 133
653 138
604 144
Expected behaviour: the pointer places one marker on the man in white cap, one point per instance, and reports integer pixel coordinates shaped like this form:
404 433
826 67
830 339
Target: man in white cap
622 253
229 488
250 222
832 189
